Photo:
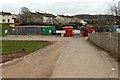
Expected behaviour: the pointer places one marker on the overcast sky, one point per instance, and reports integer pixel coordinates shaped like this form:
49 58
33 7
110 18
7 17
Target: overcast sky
67 7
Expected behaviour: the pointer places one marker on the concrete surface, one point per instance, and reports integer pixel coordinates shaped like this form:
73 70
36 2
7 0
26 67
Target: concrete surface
69 57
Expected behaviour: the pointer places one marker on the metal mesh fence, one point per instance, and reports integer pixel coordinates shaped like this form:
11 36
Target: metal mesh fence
25 31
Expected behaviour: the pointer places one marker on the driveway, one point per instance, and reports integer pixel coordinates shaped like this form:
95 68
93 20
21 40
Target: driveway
69 57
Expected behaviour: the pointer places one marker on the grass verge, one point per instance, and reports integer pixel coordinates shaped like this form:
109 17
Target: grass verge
9 46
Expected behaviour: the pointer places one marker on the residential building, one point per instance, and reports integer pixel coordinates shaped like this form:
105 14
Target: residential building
6 17
78 20
67 19
59 20
15 17
35 18
91 18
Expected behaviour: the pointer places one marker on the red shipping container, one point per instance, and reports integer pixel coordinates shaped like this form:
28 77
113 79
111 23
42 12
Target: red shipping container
68 31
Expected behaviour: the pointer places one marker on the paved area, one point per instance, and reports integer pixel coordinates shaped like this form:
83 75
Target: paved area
69 57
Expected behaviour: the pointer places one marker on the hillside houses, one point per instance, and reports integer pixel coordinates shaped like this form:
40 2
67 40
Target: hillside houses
7 17
67 19
35 18
45 18
92 18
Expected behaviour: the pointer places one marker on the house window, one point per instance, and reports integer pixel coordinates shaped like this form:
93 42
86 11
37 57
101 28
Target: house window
3 20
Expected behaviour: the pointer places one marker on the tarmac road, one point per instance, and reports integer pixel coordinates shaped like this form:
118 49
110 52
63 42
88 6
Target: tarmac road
72 57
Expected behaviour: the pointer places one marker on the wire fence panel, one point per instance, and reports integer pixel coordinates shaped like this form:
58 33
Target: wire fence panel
25 31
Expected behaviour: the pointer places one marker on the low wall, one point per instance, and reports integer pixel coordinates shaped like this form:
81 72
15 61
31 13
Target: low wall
109 43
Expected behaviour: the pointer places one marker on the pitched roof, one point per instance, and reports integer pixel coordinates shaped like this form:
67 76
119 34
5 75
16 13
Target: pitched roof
14 14
5 13
37 13
66 16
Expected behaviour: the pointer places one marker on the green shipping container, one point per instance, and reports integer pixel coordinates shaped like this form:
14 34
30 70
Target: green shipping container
48 30
53 28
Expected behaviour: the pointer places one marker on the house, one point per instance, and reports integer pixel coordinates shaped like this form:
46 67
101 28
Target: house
35 18
92 18
6 17
15 16
67 19
77 20
59 20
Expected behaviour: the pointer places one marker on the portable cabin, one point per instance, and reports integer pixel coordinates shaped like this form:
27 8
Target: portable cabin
53 30
68 31
48 30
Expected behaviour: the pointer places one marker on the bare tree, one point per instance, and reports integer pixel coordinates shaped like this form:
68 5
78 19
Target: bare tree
119 8
24 9
115 11
22 17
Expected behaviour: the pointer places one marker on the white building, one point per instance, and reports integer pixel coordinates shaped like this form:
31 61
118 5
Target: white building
6 17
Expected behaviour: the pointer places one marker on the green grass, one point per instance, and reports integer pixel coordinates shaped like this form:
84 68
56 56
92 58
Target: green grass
16 46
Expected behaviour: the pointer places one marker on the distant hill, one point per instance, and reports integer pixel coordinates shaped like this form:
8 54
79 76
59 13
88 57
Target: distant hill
92 17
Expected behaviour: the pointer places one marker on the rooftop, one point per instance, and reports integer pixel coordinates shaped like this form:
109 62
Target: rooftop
5 13
37 13
66 16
